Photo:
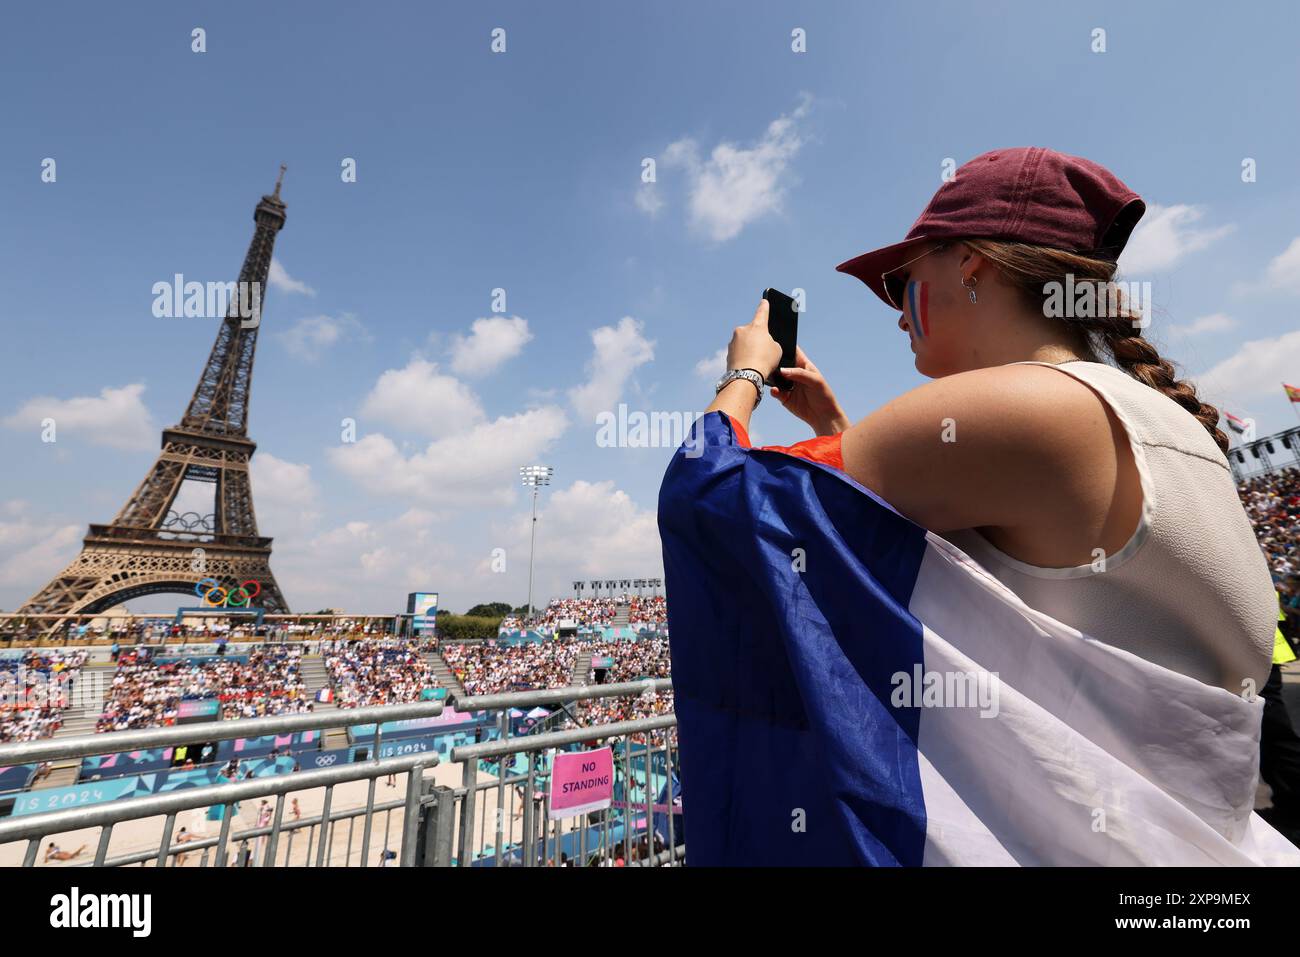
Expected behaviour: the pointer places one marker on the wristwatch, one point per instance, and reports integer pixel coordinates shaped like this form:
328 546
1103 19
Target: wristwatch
751 375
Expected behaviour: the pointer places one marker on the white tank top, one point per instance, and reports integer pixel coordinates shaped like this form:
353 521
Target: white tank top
1191 590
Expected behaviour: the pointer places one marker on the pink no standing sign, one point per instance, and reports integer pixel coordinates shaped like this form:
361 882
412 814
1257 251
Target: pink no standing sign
581 781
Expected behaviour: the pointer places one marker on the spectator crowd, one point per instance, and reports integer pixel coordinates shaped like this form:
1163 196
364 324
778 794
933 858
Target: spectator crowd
34 691
1272 503
378 671
631 661
528 666
145 693
593 612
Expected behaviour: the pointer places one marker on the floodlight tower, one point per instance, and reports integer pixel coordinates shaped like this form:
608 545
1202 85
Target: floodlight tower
534 476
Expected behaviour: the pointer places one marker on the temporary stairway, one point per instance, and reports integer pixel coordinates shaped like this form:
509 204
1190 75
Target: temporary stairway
315 677
582 668
87 704
445 678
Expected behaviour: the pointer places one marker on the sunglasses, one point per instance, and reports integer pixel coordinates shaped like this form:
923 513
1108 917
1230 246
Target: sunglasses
895 281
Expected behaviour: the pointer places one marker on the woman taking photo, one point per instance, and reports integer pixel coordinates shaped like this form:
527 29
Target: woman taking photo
1072 439
1049 523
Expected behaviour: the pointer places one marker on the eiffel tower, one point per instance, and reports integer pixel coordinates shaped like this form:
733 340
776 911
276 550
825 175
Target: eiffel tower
148 548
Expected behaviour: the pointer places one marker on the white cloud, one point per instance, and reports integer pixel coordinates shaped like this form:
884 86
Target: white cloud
288 500
279 278
32 550
1166 235
713 367
367 566
418 398
309 338
648 199
737 185
1214 322
475 467
617 352
586 530
1284 270
491 342
116 418
1257 370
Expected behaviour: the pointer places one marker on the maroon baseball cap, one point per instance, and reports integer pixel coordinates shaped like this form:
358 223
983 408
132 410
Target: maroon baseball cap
1025 194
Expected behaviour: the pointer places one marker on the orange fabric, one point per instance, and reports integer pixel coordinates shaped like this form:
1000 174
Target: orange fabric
741 435
825 450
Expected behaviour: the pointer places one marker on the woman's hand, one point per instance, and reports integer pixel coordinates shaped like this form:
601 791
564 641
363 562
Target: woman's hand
811 398
752 346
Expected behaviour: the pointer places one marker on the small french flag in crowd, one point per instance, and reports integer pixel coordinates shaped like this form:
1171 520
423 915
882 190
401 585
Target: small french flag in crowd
853 689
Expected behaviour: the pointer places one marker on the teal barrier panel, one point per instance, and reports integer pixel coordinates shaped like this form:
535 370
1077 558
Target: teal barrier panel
139 785
59 799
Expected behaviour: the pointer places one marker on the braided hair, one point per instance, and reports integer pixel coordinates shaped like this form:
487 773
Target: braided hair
1115 331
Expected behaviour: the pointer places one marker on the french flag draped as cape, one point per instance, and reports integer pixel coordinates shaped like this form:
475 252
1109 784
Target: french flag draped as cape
852 689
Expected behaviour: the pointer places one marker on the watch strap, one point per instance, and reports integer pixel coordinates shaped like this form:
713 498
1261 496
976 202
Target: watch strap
755 379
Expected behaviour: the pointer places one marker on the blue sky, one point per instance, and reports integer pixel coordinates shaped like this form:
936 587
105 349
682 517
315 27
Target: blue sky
521 171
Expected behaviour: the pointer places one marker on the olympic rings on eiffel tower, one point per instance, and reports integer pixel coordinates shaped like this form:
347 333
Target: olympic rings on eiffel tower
236 597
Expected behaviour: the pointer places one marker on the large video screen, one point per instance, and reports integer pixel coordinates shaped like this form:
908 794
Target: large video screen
423 609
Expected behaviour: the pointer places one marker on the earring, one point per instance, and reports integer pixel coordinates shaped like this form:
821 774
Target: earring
974 281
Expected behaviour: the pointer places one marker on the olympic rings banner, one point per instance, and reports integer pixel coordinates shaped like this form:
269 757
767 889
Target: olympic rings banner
216 595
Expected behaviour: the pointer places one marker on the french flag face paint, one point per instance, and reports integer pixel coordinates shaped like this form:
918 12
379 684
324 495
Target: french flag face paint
918 317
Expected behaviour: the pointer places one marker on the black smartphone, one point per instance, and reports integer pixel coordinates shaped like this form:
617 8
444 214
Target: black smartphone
783 325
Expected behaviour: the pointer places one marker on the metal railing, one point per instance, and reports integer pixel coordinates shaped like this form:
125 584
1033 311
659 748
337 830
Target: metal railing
35 827
436 825
599 838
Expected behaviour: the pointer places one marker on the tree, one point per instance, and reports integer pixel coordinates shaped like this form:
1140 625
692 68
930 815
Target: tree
453 628
493 609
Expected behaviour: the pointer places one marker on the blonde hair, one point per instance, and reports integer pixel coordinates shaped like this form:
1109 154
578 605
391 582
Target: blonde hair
1116 332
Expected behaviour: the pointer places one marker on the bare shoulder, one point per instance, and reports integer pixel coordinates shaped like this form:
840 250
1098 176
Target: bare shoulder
1022 405
1000 446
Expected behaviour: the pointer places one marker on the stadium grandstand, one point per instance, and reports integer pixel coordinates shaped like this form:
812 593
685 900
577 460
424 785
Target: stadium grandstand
376 671
147 692
1272 501
202 680
636 610
35 689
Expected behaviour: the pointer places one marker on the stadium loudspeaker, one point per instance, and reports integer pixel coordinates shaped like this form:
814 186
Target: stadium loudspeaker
360 754
1269 446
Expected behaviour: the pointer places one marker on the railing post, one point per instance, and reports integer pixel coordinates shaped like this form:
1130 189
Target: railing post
501 787
530 824
469 780
411 815
437 820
